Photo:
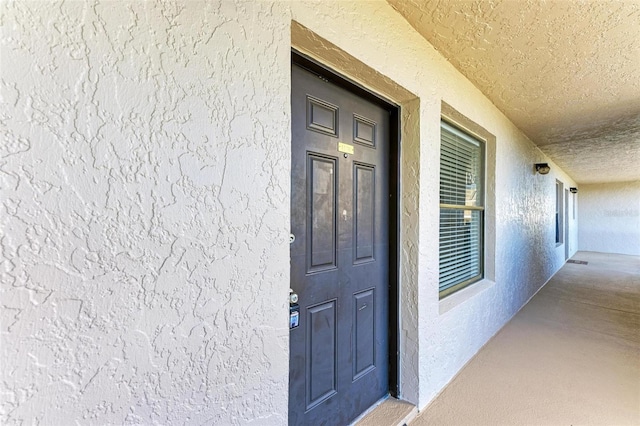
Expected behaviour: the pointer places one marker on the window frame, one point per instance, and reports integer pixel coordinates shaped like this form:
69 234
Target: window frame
472 137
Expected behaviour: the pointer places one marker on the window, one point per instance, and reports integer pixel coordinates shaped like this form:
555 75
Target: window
559 212
461 209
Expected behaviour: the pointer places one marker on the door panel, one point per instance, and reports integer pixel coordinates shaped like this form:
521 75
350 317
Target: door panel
364 184
340 256
321 362
364 131
322 116
321 220
364 339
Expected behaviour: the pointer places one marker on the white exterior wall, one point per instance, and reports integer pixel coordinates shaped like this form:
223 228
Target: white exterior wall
609 216
145 212
526 255
145 197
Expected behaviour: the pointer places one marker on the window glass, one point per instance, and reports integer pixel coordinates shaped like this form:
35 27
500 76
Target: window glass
461 209
559 224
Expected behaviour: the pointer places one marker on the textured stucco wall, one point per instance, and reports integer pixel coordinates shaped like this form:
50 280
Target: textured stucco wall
145 211
526 255
609 216
145 208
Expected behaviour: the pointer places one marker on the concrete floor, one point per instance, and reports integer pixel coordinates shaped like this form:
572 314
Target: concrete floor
571 356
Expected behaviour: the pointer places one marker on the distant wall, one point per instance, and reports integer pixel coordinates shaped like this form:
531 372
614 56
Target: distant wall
609 217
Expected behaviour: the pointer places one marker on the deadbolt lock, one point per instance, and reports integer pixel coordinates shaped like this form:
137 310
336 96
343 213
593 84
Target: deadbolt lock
294 310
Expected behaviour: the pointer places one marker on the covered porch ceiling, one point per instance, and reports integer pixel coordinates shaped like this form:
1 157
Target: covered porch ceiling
566 72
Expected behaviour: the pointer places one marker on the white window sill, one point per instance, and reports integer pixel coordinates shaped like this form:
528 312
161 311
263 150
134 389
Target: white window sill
461 296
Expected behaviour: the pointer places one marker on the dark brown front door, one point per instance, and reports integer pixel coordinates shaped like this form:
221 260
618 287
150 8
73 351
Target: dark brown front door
340 255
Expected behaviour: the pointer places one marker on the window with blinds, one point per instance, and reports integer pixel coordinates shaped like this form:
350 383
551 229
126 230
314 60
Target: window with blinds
461 209
559 233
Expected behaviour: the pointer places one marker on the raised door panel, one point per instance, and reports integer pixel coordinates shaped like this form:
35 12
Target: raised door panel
321 213
364 333
321 360
364 203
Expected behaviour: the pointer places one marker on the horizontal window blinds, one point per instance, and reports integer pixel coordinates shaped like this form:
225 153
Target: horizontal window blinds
461 209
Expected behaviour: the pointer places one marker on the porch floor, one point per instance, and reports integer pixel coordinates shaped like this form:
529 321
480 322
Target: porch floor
570 356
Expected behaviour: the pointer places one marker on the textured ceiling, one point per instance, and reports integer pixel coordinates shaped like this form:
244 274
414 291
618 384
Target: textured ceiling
567 73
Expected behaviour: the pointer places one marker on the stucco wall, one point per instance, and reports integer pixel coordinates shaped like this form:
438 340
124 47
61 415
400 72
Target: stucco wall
145 196
526 255
144 212
609 216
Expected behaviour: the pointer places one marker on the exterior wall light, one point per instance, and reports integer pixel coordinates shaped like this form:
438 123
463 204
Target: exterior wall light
573 190
542 168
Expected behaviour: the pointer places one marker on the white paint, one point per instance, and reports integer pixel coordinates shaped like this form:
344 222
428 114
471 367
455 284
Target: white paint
609 216
145 212
145 200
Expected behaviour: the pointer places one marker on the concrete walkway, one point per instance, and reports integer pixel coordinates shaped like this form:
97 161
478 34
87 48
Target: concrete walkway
569 357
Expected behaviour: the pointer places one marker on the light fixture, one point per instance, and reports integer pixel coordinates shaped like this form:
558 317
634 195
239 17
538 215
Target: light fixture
573 190
542 168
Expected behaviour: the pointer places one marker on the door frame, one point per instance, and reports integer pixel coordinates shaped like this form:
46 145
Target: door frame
340 80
